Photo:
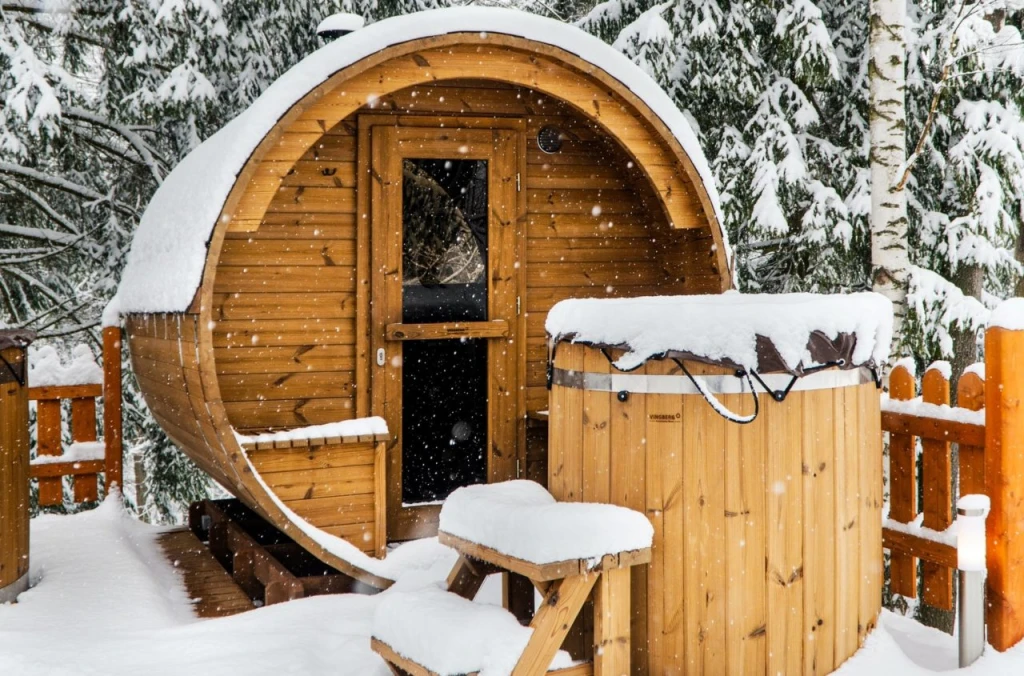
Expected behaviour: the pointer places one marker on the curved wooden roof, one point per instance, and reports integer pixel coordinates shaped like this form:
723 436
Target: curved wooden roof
165 265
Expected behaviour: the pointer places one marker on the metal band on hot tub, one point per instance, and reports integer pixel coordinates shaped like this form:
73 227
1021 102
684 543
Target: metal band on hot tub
722 384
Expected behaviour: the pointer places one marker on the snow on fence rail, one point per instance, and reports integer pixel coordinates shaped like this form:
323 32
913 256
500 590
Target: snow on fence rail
86 456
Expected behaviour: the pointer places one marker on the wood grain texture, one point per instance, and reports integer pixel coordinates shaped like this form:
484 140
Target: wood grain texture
937 498
209 586
280 335
767 553
180 397
14 474
1004 465
902 485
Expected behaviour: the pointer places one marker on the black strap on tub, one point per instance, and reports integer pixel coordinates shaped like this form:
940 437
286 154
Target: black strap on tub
780 395
720 408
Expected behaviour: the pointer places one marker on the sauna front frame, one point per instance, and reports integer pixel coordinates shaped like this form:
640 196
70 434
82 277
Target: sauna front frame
280 330
767 553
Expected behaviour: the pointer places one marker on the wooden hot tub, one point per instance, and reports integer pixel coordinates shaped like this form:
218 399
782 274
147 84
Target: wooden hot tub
14 464
768 536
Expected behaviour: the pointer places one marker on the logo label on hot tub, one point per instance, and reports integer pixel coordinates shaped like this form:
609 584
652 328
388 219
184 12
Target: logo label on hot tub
664 417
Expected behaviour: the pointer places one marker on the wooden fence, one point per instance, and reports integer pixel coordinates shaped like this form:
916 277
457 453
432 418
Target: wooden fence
86 457
988 426
908 535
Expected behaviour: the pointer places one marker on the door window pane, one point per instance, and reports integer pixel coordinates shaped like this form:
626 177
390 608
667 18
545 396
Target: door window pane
444 240
444 417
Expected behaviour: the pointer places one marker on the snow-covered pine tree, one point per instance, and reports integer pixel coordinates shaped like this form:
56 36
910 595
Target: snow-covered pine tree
966 170
762 85
100 98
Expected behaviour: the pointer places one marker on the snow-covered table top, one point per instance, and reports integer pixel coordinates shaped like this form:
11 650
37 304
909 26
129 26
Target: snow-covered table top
762 332
520 519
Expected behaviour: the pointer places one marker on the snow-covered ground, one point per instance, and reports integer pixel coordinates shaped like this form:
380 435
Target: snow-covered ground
105 601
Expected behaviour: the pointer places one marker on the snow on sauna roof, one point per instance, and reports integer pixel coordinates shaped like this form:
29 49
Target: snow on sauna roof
165 264
762 332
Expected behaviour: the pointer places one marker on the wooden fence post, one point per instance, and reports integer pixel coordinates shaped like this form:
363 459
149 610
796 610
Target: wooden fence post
1004 481
112 407
902 486
937 483
970 394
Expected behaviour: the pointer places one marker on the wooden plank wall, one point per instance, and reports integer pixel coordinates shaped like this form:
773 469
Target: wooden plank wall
767 554
334 487
284 297
331 487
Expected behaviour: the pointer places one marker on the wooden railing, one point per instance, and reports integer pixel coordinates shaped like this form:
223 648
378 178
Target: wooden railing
87 456
988 426
927 537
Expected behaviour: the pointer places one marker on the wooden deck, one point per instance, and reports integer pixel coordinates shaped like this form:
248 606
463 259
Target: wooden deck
208 584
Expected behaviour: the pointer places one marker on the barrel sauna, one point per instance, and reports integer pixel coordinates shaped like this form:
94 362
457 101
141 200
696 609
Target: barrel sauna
14 464
267 284
768 539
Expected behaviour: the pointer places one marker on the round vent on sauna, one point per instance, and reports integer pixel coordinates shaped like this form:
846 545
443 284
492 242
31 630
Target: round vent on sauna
549 139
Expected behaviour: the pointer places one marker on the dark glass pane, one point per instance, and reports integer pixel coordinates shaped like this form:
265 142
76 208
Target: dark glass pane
444 417
444 245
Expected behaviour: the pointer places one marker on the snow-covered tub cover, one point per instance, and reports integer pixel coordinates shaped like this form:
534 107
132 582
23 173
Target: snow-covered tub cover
765 333
522 520
166 261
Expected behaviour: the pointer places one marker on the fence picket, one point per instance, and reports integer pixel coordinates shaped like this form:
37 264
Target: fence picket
902 486
970 394
937 482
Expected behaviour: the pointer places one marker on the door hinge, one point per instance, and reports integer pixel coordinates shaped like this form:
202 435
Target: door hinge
518 473
519 305
519 183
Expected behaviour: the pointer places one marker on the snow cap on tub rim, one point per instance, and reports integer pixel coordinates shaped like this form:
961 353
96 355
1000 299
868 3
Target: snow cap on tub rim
165 265
759 332
1008 315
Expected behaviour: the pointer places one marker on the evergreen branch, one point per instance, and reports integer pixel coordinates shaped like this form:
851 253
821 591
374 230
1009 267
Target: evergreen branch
64 185
78 328
137 142
35 22
33 282
42 204
109 148
38 234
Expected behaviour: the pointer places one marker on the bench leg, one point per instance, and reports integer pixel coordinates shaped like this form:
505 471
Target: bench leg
551 623
518 594
611 623
466 578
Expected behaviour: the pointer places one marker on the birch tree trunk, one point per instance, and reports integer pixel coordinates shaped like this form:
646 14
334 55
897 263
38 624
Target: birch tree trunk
890 265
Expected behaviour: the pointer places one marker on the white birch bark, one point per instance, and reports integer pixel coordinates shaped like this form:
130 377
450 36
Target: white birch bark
890 265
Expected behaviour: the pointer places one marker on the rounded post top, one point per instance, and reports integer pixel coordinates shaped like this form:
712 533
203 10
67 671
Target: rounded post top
973 505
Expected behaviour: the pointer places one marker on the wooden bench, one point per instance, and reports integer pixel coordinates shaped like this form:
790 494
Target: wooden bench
565 587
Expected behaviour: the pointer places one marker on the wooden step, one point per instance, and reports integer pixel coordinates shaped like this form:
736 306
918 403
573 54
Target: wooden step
211 588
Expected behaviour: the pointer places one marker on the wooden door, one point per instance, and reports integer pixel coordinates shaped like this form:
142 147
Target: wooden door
444 312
